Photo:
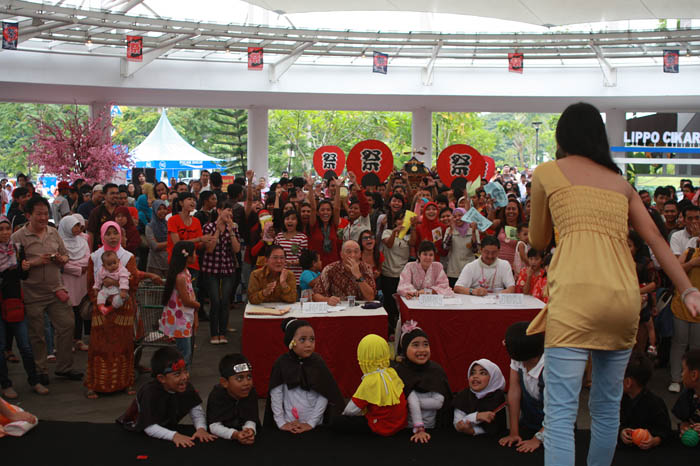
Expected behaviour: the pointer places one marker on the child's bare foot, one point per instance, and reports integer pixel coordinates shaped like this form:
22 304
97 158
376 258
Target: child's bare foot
62 295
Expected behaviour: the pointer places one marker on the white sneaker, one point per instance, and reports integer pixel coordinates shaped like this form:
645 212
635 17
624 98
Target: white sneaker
675 387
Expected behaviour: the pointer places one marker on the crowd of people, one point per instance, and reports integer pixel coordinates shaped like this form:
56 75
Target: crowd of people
330 239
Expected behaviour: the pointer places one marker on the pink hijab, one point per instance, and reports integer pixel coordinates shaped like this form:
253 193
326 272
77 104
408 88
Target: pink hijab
103 231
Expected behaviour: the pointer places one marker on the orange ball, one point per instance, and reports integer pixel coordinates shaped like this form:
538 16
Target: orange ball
640 435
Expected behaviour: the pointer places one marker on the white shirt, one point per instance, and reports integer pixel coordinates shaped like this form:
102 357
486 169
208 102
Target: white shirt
679 241
494 277
531 378
460 415
423 408
160 432
310 405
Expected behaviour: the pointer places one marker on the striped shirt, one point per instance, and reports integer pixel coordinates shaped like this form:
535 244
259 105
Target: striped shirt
292 249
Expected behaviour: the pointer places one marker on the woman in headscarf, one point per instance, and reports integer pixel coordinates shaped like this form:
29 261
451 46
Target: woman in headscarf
74 272
479 408
157 238
110 365
144 210
379 398
430 228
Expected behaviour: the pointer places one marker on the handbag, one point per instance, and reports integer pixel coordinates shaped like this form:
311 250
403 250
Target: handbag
86 308
12 310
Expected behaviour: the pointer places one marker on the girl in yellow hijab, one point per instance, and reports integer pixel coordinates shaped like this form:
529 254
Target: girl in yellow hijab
380 395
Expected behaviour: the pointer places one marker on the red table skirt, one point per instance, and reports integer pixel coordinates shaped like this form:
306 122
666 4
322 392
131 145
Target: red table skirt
336 341
459 337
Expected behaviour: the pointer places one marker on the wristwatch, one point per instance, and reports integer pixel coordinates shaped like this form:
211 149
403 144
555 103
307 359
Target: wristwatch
539 435
359 280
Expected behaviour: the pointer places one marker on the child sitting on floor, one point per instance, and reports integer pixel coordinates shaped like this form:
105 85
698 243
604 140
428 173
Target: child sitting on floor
161 403
641 409
379 398
302 390
526 389
426 387
479 408
111 268
232 407
687 407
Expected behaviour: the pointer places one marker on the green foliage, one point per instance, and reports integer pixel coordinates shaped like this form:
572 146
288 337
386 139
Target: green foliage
230 140
17 129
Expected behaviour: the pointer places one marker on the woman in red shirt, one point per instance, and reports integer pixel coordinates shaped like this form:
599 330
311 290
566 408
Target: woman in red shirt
182 226
324 228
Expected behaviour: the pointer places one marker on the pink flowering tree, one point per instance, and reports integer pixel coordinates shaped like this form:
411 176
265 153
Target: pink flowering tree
76 146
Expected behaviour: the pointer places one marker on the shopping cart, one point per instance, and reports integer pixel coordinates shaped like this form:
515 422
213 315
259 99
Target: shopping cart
149 301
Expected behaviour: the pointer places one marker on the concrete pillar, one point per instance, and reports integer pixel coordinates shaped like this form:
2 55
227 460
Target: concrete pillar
258 142
422 134
101 108
616 125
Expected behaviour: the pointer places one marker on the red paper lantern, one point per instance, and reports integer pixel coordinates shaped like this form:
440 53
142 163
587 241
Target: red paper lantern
329 160
489 167
458 164
371 161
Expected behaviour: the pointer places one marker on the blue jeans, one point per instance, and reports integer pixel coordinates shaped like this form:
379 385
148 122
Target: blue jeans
19 330
563 374
48 331
184 346
220 289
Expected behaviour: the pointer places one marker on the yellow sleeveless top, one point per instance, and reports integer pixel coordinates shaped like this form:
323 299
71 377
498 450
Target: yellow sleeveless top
594 299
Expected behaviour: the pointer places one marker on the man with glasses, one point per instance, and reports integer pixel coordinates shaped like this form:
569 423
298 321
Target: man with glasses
347 277
488 274
272 283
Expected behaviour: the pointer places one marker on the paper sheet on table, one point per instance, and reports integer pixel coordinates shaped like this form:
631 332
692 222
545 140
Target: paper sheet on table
451 302
406 224
338 308
497 193
473 216
488 299
253 309
510 299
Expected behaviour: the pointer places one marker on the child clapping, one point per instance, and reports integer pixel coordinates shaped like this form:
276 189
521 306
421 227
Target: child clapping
479 408
161 403
232 407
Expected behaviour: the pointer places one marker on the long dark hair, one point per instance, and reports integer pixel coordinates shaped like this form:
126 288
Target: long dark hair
390 217
375 252
178 262
291 213
318 207
581 131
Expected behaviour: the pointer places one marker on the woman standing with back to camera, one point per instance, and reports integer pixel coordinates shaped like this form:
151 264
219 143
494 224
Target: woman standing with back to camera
594 297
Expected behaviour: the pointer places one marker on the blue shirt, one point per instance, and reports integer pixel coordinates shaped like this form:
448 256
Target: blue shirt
307 276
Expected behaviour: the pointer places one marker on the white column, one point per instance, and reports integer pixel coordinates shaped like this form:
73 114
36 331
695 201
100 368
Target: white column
422 134
258 142
101 108
616 125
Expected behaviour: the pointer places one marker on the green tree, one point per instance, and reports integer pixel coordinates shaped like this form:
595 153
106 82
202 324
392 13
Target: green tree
230 139
462 128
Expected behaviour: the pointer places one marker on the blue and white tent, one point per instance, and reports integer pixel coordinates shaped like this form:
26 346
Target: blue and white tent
165 150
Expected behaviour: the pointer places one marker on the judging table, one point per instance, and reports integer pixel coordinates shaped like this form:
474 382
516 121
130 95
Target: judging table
337 337
467 328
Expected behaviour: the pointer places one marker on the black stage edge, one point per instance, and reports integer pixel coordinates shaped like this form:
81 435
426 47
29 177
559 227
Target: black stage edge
76 444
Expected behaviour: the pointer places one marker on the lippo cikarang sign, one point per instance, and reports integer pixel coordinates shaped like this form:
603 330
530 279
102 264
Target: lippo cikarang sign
667 137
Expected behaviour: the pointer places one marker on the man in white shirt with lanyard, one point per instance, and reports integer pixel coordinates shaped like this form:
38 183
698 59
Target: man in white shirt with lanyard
488 274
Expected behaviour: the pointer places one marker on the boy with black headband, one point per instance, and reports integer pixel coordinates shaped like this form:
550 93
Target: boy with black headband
232 407
162 403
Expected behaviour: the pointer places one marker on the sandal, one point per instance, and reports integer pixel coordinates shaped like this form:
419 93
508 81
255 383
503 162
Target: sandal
81 346
11 357
91 395
130 390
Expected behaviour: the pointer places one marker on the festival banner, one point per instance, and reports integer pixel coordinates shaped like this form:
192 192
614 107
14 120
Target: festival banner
329 161
458 164
671 61
371 161
10 34
255 58
134 48
489 167
380 63
515 62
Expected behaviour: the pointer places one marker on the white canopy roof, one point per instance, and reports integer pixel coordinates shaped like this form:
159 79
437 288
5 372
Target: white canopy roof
542 12
165 144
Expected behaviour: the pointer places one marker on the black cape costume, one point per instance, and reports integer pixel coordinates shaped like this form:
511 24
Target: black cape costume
467 402
232 413
155 405
310 374
425 378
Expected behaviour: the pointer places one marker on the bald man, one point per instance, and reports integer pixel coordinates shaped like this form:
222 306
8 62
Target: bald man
347 277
